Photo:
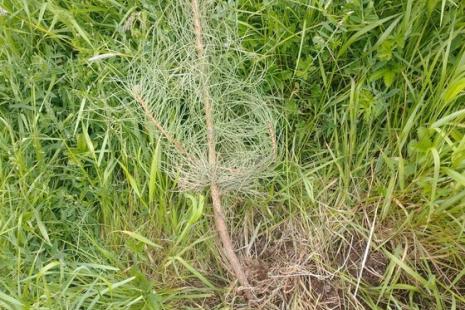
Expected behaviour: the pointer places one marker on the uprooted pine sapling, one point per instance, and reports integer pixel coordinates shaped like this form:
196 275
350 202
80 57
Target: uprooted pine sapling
218 130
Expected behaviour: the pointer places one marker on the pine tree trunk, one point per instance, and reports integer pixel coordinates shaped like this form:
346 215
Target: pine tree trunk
220 223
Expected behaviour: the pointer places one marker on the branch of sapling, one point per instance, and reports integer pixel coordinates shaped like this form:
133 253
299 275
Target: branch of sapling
136 93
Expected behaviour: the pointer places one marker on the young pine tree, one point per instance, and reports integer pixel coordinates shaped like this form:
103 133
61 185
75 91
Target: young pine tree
219 133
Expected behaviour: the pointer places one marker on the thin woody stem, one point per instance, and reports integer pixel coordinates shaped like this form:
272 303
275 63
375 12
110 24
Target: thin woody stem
220 223
273 140
208 106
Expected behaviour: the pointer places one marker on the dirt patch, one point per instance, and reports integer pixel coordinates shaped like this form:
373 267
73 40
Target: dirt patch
375 264
285 274
328 296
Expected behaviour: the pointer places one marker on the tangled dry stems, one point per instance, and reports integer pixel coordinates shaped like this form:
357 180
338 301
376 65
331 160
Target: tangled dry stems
284 270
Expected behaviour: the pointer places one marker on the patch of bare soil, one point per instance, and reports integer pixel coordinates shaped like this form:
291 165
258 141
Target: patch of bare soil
375 263
285 273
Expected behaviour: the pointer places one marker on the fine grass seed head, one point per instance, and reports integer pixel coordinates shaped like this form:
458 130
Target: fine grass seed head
168 80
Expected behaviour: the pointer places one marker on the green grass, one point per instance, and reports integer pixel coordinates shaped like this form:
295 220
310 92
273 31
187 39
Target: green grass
373 141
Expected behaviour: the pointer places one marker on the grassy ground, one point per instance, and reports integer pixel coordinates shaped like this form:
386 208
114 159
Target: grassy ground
366 211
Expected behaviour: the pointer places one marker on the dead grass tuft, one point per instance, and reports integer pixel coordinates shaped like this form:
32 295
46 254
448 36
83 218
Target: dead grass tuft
285 271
